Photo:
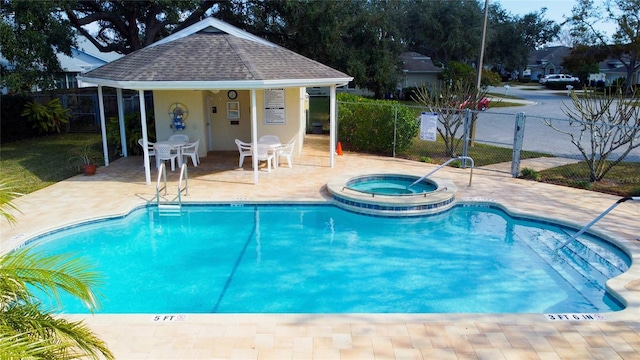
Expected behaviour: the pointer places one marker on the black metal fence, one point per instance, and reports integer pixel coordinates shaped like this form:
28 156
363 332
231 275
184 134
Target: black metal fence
85 110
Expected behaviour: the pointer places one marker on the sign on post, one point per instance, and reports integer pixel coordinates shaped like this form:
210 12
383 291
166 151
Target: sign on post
428 126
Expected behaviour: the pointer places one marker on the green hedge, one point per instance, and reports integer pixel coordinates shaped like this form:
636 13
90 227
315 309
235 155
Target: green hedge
367 125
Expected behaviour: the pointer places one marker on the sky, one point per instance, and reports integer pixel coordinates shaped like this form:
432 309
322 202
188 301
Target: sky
556 9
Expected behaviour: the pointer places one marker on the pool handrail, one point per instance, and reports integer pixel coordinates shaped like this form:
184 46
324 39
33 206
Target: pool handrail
162 173
443 165
162 176
373 194
586 227
183 176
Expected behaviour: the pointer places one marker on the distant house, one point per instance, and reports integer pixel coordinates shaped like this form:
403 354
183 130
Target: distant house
84 57
418 70
546 61
612 69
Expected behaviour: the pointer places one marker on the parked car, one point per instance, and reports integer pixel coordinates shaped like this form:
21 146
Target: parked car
483 104
551 78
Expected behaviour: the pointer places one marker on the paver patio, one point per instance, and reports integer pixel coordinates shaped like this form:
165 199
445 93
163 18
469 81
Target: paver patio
120 187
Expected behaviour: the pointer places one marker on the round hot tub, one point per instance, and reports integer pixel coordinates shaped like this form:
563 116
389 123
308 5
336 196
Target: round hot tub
392 194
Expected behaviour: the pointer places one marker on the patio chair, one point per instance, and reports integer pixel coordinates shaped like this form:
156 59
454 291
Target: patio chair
179 137
166 152
266 153
286 151
151 150
192 151
244 149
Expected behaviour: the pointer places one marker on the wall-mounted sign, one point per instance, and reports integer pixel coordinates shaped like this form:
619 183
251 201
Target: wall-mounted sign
274 113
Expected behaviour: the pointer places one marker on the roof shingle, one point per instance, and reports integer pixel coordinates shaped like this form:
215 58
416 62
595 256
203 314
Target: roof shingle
207 56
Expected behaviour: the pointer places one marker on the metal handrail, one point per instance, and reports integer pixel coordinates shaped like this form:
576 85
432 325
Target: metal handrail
586 227
183 176
162 173
373 194
162 176
443 165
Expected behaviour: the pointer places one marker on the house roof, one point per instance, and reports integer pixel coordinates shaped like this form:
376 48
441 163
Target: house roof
548 55
413 62
212 54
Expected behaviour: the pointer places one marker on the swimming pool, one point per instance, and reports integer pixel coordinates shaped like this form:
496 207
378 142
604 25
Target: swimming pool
277 258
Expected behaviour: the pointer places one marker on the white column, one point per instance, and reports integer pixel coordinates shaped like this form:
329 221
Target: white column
145 141
254 136
332 124
123 132
103 127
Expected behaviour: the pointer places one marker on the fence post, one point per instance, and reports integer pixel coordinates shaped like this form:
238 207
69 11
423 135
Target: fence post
518 137
466 136
395 128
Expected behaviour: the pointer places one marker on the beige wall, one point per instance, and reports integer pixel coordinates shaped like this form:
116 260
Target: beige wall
222 131
195 122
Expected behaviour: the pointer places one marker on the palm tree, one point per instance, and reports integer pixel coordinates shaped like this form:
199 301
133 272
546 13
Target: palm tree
28 330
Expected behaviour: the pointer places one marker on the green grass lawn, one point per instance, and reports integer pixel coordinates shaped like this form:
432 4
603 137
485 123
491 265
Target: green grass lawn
623 179
32 164
482 154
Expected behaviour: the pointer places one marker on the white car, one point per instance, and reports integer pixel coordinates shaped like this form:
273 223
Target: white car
558 78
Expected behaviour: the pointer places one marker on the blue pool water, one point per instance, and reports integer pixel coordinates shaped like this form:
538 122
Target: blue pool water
322 259
391 185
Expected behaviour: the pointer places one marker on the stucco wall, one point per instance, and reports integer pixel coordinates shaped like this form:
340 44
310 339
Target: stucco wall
195 121
210 107
224 130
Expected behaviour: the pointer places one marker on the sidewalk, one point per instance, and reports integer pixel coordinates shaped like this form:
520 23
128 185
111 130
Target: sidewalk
537 164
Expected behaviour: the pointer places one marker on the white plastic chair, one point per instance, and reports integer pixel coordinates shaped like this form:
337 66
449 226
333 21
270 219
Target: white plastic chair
286 151
269 139
266 153
192 151
152 151
166 152
244 149
179 137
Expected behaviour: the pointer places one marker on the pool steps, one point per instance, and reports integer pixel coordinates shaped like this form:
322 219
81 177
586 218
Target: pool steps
161 185
574 263
169 209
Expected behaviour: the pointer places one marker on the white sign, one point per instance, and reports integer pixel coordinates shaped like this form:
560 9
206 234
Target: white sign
428 126
274 113
575 317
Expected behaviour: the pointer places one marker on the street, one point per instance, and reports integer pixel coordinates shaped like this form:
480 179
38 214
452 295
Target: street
496 125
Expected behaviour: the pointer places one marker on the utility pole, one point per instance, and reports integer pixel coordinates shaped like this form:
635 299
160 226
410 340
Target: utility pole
479 68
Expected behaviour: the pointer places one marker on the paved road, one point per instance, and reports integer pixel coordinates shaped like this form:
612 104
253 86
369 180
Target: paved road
496 125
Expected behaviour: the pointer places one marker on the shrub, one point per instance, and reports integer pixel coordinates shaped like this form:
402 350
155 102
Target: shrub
368 125
47 118
133 131
528 173
12 125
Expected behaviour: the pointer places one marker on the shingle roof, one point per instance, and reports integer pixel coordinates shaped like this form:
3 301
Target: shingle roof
551 54
416 62
213 56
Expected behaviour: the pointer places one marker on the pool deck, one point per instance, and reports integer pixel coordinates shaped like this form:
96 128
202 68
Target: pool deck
120 187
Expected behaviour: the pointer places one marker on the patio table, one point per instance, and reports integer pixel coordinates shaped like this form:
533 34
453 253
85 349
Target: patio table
273 146
178 145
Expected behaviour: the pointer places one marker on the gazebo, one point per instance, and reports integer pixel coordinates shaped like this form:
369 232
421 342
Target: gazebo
225 82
